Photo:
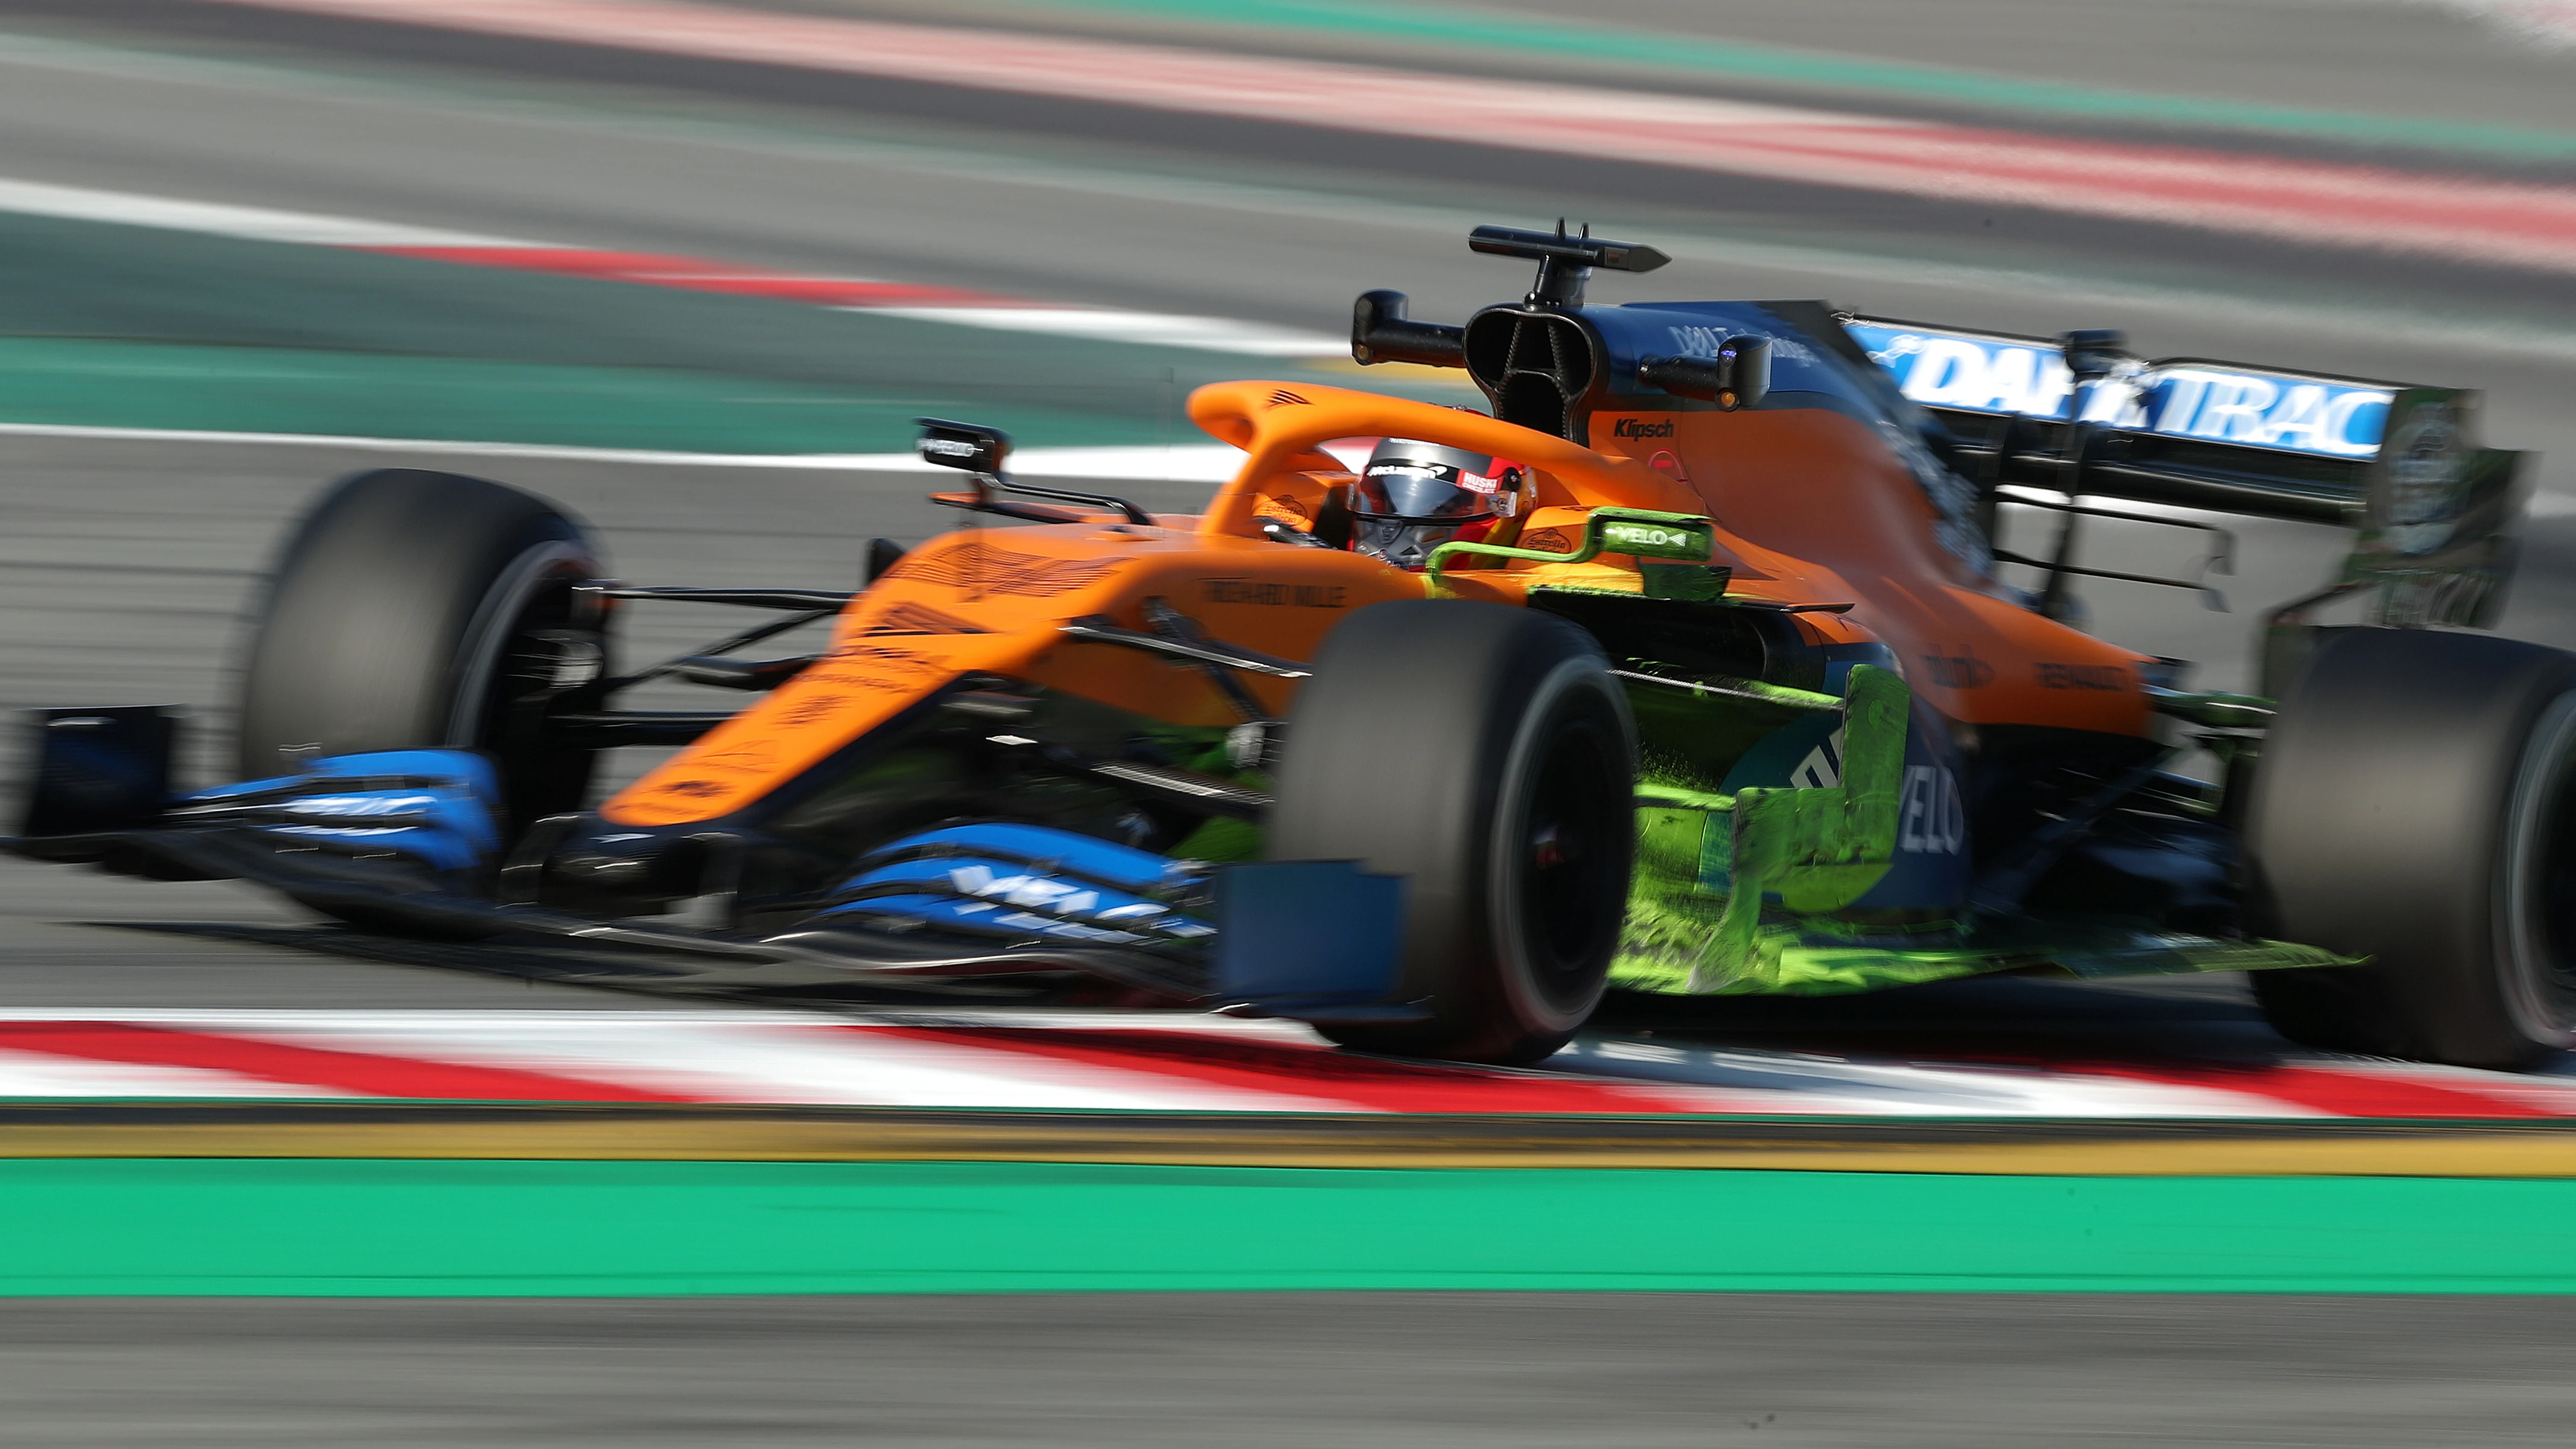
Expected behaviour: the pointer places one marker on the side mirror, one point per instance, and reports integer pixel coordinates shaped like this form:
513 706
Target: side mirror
1748 362
1738 377
963 445
1380 332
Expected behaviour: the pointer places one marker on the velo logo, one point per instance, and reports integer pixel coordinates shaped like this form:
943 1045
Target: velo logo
1931 818
1656 540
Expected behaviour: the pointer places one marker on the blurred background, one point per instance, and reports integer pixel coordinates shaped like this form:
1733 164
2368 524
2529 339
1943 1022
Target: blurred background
757 234
692 267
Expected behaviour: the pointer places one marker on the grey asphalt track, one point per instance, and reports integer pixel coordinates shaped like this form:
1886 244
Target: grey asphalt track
1475 1371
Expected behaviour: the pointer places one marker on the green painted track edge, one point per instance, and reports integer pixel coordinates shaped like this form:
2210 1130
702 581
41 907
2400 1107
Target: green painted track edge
374 1228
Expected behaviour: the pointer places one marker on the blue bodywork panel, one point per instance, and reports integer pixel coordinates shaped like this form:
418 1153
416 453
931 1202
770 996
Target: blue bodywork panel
1023 878
1284 935
1308 934
1090 857
100 769
1802 375
437 807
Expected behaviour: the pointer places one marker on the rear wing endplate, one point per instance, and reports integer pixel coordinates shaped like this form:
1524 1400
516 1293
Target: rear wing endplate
2434 511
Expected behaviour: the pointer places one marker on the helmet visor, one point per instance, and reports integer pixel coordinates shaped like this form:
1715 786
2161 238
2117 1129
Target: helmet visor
1424 482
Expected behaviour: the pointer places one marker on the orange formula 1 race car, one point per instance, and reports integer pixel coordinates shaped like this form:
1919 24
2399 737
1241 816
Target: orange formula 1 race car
1683 671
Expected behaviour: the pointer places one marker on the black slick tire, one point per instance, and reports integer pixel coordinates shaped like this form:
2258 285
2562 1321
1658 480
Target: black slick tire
2415 802
1486 754
412 609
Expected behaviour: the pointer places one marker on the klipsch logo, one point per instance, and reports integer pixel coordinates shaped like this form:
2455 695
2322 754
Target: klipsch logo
1632 428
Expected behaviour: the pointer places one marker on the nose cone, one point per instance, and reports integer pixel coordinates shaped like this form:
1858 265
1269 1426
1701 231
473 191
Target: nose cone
603 868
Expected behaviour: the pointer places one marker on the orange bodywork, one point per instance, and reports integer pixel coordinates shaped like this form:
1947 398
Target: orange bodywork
1812 508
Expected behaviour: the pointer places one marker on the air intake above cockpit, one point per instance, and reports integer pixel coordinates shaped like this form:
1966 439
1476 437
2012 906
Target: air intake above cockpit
1536 365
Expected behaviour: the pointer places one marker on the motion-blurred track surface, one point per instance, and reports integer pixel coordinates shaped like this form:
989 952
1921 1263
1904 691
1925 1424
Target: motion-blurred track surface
1823 1370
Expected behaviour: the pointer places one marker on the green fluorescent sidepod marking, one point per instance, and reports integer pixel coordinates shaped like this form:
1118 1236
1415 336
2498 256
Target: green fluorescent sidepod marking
1817 850
1638 532
1684 538
1821 850
1707 862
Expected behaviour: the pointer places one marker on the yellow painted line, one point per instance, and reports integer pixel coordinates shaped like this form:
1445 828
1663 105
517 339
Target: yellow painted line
2077 1149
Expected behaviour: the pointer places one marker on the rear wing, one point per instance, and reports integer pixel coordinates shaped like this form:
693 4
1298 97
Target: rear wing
2434 511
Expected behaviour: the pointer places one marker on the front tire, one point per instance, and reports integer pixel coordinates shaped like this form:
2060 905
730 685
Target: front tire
1485 754
412 610
2415 802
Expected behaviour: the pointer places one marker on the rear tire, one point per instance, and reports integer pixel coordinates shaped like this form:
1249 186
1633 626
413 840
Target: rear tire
1486 754
413 610
2416 802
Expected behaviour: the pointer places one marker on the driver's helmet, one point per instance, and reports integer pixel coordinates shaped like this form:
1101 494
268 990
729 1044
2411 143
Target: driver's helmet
1413 497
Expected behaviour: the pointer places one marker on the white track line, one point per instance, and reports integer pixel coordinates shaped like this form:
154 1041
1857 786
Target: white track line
750 1060
40 1074
1197 463
251 223
1151 329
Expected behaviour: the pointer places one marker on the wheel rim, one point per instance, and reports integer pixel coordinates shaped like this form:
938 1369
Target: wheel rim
503 659
2538 901
1568 888
516 606
1563 850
